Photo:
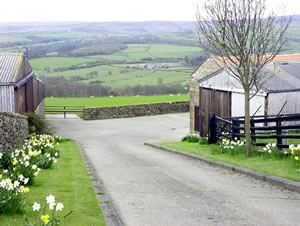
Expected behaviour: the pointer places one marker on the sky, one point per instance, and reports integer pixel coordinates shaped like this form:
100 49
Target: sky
109 10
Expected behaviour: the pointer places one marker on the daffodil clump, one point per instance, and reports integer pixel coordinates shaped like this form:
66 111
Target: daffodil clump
295 153
19 167
271 150
47 214
232 147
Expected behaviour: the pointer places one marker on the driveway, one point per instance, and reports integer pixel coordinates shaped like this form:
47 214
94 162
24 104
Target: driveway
152 187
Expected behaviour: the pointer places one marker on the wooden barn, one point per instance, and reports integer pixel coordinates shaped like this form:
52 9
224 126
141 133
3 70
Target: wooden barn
213 89
20 90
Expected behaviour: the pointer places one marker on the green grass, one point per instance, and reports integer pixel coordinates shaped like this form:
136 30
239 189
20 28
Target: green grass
115 101
40 64
282 168
69 182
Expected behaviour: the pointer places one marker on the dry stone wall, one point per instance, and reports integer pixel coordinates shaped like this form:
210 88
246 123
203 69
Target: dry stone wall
127 111
13 130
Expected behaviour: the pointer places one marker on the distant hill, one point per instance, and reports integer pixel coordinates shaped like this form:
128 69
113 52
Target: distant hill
151 27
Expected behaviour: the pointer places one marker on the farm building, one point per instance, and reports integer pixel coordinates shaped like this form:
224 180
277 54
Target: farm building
213 89
20 90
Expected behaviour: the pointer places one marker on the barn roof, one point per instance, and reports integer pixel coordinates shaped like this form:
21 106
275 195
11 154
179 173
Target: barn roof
9 66
284 71
285 77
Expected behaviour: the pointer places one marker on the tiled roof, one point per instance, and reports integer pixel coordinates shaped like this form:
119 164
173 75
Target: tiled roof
9 66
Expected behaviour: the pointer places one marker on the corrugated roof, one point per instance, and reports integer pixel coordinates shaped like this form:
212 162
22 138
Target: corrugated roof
284 73
284 77
9 66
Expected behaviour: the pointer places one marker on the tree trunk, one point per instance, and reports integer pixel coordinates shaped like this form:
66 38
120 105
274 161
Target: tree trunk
247 122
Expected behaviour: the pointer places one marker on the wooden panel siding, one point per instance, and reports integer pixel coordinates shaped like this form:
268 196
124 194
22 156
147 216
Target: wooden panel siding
213 101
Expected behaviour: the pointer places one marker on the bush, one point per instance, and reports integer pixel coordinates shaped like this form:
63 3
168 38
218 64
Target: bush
191 139
37 124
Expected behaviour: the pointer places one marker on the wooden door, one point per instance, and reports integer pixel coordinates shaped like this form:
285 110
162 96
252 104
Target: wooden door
212 101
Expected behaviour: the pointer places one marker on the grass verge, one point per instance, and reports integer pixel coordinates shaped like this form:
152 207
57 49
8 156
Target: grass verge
69 182
282 168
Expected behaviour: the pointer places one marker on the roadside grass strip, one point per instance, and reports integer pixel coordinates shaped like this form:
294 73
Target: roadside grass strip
283 167
69 183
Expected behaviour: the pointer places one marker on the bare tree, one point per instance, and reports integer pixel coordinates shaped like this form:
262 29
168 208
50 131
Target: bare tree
244 38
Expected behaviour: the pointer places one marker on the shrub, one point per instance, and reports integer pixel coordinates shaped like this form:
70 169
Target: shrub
37 124
191 139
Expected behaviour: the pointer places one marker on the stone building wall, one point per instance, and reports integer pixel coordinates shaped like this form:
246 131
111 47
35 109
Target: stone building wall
207 68
127 111
13 130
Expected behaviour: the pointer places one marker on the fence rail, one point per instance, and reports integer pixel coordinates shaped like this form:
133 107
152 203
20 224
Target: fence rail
64 109
279 127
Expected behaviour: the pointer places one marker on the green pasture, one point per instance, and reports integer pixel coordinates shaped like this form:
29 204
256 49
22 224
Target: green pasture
116 76
112 101
172 51
40 64
12 38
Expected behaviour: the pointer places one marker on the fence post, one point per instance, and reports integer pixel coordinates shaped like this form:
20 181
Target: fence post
252 129
235 131
278 131
64 111
212 136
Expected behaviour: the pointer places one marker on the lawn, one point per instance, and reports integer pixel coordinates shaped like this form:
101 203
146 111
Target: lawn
115 101
69 182
282 168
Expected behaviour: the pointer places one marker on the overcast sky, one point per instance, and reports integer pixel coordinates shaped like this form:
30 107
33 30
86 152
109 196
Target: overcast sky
108 10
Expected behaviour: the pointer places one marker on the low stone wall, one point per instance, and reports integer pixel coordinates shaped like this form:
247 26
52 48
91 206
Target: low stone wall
127 111
13 130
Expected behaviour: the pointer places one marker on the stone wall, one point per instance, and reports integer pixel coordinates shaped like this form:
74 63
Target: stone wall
127 111
40 110
13 130
208 67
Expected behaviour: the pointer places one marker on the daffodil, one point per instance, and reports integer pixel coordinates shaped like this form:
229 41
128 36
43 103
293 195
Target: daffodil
36 206
296 158
45 218
26 190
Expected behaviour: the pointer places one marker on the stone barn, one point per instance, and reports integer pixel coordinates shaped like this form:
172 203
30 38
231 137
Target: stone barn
213 89
20 90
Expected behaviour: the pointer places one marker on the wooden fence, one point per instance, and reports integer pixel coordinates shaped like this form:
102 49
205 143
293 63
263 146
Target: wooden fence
64 109
263 128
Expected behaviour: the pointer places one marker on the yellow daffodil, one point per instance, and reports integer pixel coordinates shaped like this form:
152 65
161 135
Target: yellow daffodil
292 152
26 190
296 158
45 218
15 162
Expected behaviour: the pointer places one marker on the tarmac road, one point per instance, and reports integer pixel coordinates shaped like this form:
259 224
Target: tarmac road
152 187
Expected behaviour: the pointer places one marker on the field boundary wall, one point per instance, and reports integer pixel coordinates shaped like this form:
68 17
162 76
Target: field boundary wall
127 111
13 130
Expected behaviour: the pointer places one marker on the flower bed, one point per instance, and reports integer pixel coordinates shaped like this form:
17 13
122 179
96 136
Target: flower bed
19 168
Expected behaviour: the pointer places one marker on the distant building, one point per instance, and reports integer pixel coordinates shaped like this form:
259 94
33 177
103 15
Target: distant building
213 89
20 90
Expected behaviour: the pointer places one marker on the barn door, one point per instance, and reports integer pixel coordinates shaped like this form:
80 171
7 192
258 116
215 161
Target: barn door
212 101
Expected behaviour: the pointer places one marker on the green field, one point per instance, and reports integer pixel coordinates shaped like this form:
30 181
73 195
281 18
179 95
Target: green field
115 101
